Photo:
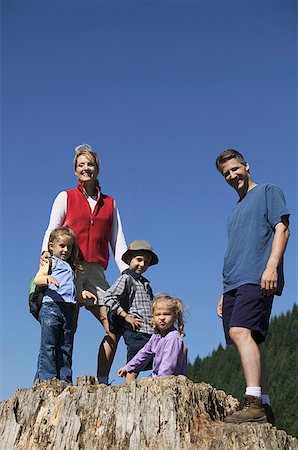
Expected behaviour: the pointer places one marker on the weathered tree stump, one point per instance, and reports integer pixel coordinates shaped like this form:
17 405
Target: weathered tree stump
170 413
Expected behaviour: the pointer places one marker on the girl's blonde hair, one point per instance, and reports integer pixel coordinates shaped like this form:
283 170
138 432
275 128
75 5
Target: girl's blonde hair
86 150
175 304
66 231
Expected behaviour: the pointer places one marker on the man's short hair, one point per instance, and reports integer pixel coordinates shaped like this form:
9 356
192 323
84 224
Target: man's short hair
229 154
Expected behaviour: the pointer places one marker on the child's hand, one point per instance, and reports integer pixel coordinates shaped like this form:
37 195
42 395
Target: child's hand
53 280
121 372
133 321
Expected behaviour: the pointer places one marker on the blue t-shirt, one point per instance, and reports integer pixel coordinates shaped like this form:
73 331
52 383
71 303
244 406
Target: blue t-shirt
250 234
66 292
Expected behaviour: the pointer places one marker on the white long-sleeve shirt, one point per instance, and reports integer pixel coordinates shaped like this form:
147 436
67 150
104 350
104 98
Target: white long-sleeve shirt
57 217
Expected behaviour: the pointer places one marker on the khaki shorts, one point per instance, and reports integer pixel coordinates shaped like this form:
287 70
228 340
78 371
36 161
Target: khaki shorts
91 278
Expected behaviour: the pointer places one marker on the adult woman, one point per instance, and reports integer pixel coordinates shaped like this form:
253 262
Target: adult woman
95 220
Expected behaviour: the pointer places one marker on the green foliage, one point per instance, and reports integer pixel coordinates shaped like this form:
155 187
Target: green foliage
222 370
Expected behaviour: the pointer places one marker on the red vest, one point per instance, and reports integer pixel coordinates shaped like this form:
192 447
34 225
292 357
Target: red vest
93 230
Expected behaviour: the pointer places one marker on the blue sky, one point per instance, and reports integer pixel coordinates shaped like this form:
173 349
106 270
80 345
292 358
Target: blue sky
159 89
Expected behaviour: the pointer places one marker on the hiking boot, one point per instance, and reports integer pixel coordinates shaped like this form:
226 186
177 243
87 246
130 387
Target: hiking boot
250 409
269 414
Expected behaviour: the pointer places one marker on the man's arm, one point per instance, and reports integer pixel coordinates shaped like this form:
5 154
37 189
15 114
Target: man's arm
219 307
279 244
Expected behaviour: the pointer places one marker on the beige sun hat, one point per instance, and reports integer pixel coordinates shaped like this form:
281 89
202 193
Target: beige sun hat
139 245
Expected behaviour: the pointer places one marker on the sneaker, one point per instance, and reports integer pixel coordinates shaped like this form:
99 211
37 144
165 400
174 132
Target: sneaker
269 414
250 409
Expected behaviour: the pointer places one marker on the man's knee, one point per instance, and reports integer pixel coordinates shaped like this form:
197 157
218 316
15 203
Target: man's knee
238 334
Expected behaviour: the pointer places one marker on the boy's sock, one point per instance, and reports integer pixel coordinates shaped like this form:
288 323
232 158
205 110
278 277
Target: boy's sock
103 380
254 390
265 399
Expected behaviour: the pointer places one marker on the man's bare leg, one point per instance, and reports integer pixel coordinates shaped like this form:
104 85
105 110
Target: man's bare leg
250 355
250 408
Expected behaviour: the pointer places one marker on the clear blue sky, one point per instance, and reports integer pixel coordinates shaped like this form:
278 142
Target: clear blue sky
159 89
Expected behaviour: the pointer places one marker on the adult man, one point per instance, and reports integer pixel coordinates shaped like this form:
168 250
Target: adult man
252 274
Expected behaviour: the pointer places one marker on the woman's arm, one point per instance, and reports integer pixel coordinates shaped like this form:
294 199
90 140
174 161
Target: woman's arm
117 241
57 217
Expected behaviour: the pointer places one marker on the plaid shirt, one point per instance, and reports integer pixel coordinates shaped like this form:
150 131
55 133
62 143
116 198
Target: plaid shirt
133 296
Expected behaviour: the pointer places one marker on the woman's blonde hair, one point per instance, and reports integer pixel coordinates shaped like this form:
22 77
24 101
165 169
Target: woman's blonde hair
66 231
174 304
86 150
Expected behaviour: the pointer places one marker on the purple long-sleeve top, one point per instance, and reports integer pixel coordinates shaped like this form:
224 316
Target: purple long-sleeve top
168 353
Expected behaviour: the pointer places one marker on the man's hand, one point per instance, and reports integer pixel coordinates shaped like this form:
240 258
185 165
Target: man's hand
280 239
219 307
133 321
269 281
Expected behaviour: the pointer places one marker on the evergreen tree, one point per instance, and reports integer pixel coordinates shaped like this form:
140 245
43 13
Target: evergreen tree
222 370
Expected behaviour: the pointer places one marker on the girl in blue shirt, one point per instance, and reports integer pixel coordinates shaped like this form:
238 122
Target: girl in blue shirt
57 312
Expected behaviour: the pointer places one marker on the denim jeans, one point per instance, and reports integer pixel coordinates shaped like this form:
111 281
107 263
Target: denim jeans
55 354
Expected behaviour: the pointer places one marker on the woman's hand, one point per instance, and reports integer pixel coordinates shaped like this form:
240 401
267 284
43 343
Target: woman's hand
133 321
121 372
44 257
87 295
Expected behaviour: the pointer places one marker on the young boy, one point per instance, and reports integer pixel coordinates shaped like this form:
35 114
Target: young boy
130 300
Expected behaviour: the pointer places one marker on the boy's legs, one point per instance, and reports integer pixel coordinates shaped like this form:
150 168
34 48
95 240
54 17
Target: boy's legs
134 341
131 376
50 321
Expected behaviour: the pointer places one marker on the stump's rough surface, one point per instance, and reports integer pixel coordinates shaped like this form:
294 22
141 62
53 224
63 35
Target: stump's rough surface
170 413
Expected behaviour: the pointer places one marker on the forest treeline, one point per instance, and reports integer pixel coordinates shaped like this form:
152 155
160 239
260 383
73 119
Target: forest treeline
223 371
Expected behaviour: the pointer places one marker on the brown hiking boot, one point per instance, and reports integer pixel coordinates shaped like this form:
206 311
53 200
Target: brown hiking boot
269 414
250 409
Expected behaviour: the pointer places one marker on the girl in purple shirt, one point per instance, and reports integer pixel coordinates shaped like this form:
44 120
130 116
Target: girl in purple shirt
166 344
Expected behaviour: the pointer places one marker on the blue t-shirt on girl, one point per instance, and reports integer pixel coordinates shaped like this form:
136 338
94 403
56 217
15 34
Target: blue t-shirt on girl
250 234
66 292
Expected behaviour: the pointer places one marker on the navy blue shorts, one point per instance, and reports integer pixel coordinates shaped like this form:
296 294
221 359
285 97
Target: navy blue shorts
134 341
247 307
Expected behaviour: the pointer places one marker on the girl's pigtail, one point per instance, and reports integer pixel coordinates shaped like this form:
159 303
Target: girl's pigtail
180 319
